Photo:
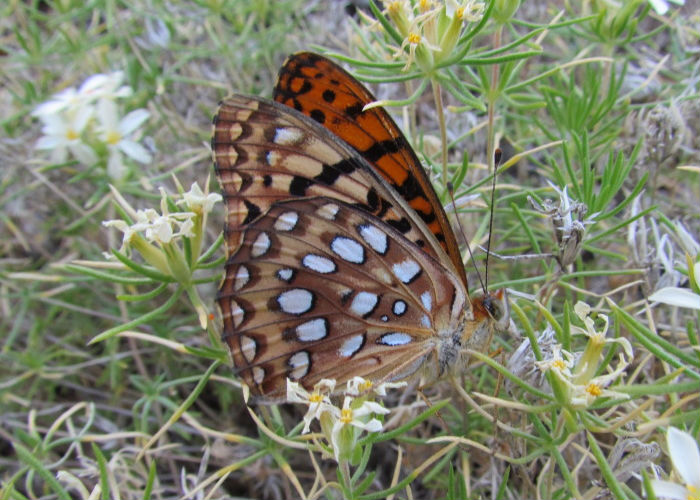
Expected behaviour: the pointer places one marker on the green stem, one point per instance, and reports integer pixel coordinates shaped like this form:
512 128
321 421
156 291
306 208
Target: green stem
437 95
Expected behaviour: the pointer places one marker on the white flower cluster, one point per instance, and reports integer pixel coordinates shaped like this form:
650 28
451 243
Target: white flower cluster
161 228
86 123
342 426
577 371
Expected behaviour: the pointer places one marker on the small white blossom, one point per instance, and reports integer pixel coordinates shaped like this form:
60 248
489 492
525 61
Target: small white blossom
582 395
685 456
561 362
359 418
117 135
358 385
63 134
156 227
317 400
597 336
198 201
468 10
99 86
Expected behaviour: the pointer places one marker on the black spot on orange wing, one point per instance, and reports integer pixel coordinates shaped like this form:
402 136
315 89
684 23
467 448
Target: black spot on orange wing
322 90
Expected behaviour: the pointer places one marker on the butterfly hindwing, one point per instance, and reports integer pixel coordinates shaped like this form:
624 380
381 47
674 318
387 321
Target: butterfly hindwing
316 284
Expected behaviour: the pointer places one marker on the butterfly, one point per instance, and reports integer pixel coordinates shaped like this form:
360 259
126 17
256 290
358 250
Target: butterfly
341 261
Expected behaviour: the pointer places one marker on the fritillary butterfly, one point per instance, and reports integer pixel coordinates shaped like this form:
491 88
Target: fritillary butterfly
341 260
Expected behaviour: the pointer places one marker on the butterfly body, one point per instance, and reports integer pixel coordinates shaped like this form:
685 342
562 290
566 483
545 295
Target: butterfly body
340 258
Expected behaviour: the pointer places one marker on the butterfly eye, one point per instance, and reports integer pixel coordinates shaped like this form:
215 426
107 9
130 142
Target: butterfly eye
496 305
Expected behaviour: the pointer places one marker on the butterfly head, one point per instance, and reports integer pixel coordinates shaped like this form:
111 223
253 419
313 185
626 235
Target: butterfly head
491 313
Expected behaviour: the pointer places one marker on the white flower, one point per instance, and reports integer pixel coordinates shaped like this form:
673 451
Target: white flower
99 86
582 395
318 400
597 336
561 362
685 456
116 134
156 227
63 134
198 201
355 417
661 6
358 385
468 10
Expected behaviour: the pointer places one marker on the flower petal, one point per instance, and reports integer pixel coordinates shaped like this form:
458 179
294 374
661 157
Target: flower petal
684 455
667 489
133 120
674 296
135 151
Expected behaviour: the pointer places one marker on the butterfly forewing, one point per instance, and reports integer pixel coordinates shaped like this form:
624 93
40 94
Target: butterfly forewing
317 290
324 91
264 152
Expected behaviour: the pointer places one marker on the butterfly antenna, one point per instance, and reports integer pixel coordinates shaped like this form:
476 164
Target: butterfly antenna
451 191
497 161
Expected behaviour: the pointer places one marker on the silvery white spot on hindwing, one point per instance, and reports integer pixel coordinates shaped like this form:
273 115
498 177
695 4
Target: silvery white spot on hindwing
296 301
273 157
286 221
237 314
329 211
285 274
384 318
364 303
399 307
394 339
287 136
258 374
374 237
427 300
425 321
351 345
249 348
299 363
312 330
407 270
242 278
318 263
260 246
348 249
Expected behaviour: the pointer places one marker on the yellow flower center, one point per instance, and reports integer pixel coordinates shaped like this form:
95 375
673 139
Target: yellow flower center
598 339
365 386
693 492
394 7
425 5
346 415
315 398
113 137
71 134
594 390
459 14
414 38
559 364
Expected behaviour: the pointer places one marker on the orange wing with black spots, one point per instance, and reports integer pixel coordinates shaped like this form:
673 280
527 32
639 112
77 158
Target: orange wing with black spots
322 90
